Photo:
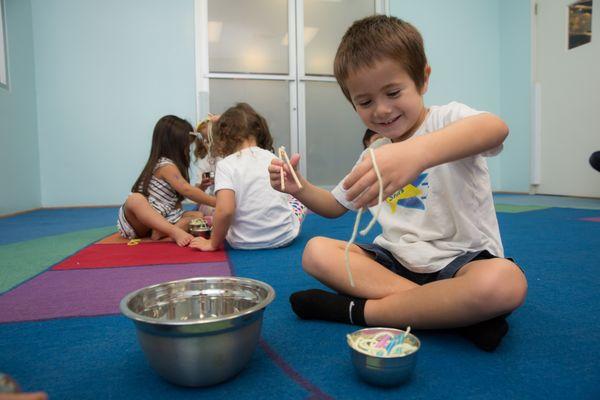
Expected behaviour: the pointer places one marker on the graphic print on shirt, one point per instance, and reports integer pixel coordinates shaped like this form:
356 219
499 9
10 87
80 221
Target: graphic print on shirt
411 195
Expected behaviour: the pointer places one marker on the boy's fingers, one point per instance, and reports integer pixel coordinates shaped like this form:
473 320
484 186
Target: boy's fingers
356 193
357 173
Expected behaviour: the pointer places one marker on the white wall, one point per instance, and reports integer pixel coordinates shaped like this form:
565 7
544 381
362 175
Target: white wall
106 71
462 45
19 158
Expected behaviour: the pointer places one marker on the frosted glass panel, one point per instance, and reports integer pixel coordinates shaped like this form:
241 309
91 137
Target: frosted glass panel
333 134
248 36
325 22
271 99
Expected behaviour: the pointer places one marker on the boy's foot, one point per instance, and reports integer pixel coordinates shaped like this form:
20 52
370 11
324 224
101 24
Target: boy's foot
319 304
486 335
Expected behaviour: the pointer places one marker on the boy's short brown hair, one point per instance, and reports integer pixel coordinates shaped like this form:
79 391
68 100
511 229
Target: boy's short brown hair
375 38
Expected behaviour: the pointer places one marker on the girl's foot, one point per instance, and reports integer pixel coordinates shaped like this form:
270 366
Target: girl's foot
156 235
182 238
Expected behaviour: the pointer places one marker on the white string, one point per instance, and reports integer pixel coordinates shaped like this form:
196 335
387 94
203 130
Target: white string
376 344
380 198
358 216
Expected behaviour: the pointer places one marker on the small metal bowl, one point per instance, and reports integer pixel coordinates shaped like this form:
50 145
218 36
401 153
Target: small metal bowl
388 370
200 227
200 232
199 331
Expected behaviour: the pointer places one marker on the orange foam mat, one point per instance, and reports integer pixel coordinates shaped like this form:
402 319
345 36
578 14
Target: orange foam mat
116 238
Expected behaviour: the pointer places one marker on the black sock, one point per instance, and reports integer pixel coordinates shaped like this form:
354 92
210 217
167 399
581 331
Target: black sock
319 304
486 335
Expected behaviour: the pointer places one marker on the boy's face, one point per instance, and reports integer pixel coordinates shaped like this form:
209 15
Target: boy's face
387 99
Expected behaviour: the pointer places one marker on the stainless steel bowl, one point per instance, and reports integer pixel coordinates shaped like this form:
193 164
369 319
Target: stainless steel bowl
199 331
202 232
200 227
386 370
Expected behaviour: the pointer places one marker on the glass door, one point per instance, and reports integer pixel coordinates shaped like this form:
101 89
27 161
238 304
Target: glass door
251 52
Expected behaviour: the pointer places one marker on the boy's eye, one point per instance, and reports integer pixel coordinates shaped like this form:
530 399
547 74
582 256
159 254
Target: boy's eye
394 93
364 103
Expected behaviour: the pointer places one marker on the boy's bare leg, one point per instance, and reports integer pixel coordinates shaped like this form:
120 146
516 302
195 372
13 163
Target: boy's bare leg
481 290
324 258
143 218
475 299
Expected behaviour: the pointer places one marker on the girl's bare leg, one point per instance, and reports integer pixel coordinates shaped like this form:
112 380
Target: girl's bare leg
481 290
143 218
183 223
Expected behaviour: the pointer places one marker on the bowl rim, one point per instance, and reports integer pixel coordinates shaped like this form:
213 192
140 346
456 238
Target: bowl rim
140 318
382 328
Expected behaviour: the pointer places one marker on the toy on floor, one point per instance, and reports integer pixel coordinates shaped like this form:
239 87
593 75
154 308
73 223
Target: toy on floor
8 384
383 356
382 343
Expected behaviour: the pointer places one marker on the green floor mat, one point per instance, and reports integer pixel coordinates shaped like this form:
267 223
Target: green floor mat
23 260
511 208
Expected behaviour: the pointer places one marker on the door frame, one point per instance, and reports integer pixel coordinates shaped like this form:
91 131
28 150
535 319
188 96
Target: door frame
296 77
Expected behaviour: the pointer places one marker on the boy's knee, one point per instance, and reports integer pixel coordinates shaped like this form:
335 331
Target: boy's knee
314 254
502 286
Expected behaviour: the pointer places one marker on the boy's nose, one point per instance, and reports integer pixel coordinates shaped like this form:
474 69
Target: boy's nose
382 109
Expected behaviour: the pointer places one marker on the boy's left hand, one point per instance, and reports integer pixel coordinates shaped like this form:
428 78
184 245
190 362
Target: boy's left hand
203 244
399 164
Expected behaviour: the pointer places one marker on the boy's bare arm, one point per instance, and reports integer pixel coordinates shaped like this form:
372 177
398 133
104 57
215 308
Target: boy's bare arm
319 200
400 163
316 199
463 138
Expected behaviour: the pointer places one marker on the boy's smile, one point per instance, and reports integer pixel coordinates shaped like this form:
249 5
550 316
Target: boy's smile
387 99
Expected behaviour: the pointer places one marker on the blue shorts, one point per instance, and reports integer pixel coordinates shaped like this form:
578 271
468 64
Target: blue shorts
386 259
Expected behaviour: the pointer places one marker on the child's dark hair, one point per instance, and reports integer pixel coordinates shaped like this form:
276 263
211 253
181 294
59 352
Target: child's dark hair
367 137
171 139
237 124
374 39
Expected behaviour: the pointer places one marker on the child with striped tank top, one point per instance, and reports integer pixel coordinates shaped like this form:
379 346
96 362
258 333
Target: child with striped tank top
154 206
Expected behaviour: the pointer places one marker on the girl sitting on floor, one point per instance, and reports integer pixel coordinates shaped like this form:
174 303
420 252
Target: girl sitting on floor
205 162
154 206
249 214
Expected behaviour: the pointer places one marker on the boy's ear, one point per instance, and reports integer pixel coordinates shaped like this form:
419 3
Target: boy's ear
426 80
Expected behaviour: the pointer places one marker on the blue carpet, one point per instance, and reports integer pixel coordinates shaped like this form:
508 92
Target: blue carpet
551 351
41 223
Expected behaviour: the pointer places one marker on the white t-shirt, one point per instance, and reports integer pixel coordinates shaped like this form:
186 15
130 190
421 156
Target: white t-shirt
447 211
263 216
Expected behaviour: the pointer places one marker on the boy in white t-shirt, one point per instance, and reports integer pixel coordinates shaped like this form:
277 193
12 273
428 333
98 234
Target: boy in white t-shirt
249 214
439 260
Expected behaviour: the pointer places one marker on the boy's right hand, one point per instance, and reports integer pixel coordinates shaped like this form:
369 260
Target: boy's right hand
275 169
